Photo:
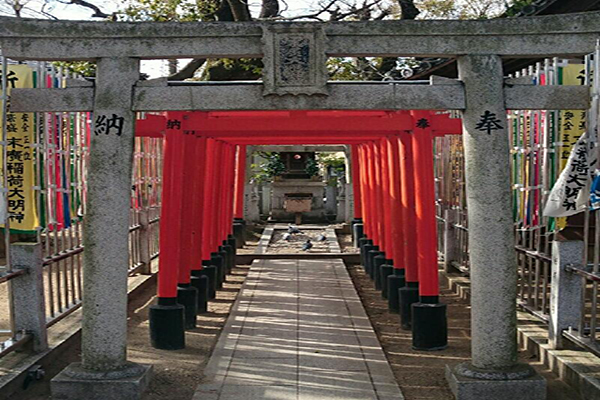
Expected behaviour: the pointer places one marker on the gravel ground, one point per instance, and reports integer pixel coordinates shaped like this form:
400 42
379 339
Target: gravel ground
421 374
294 244
177 373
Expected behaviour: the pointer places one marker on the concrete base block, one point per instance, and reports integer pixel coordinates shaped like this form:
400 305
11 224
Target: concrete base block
463 388
73 384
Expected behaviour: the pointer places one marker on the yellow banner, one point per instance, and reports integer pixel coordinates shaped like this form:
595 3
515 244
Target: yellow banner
20 169
572 124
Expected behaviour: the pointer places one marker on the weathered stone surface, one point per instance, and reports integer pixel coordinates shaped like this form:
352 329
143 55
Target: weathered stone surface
565 292
53 100
342 97
298 330
294 59
491 235
532 388
27 292
71 384
551 97
560 35
106 261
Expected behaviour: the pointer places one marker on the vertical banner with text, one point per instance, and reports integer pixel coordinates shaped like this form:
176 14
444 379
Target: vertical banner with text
20 207
572 122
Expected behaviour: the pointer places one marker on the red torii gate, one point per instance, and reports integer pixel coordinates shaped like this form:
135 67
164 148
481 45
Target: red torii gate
203 192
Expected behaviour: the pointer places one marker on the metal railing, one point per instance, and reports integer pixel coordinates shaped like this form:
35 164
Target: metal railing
60 159
541 144
586 334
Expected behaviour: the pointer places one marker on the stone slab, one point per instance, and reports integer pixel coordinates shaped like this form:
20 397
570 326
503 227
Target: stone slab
533 388
298 331
65 387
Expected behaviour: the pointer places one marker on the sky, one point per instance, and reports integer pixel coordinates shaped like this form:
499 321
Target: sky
73 12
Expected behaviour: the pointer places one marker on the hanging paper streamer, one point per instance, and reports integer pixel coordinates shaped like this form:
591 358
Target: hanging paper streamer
571 192
20 168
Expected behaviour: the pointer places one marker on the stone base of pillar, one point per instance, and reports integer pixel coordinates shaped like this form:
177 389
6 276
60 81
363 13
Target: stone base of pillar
370 259
209 271
231 240
408 295
201 283
187 296
385 271
218 261
394 283
429 326
364 241
378 262
357 233
76 383
239 232
227 252
523 383
167 331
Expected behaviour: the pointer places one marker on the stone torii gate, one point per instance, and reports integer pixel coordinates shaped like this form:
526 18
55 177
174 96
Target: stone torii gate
295 78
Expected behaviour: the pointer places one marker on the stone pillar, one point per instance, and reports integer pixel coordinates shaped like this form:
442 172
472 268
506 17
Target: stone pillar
266 199
450 246
330 200
252 206
566 291
145 256
106 260
27 293
493 372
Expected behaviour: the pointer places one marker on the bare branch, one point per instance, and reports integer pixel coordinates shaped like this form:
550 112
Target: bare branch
187 71
46 13
360 12
408 9
270 9
315 15
239 9
82 3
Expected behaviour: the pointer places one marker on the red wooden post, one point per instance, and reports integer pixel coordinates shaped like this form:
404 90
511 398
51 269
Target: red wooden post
386 223
378 194
426 226
409 294
186 206
228 195
240 181
364 190
357 194
429 323
170 229
217 196
208 213
371 182
198 202
167 326
396 202
397 278
408 207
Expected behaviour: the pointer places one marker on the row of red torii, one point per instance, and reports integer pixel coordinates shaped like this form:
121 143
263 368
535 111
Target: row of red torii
203 193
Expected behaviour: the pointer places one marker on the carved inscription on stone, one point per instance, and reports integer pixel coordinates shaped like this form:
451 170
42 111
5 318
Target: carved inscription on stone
294 60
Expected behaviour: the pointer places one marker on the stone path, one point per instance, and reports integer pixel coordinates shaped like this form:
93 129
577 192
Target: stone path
298 331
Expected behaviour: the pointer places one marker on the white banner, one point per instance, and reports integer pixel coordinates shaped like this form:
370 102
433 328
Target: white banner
571 191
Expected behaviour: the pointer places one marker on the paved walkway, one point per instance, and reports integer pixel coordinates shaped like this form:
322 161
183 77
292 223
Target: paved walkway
298 331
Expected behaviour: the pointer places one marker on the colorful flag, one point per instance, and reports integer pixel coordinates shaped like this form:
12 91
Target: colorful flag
20 165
